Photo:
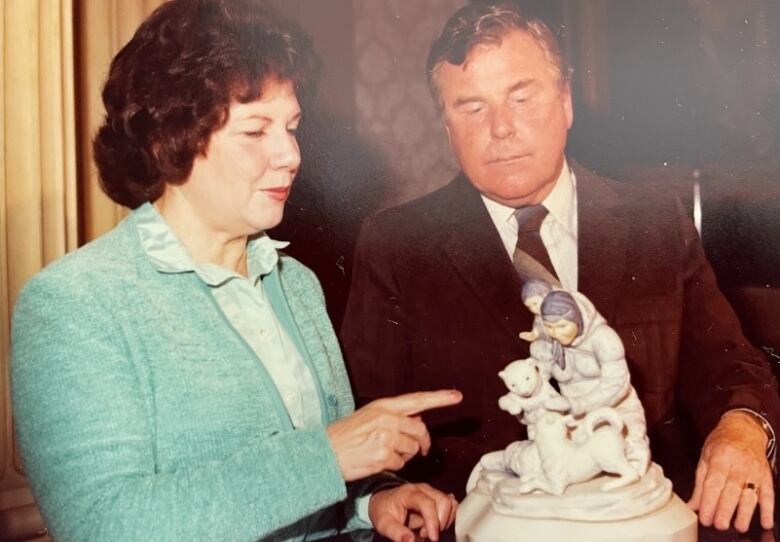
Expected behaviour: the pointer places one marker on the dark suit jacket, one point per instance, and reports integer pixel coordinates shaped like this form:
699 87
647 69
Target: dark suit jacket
435 303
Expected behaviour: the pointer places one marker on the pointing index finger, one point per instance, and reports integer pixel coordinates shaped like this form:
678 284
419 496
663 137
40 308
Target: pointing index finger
411 404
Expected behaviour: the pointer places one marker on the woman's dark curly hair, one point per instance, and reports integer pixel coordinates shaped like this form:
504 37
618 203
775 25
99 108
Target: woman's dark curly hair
171 86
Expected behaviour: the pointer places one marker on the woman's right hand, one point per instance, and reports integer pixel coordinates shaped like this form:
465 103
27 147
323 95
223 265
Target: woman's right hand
386 433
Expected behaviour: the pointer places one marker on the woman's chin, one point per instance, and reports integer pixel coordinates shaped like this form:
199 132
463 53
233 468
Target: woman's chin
265 222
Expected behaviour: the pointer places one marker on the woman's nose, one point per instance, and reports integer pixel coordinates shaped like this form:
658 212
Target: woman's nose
285 153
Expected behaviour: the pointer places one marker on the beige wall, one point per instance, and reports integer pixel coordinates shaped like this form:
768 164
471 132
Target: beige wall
329 24
395 112
373 54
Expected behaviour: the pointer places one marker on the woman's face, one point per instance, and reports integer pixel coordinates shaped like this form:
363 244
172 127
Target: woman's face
563 331
241 183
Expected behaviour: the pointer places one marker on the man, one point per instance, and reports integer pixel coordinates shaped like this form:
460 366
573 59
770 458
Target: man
436 300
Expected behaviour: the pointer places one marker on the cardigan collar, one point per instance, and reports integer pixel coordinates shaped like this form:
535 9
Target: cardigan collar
169 255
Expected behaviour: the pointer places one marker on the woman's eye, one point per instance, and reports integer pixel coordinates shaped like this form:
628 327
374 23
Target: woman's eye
255 133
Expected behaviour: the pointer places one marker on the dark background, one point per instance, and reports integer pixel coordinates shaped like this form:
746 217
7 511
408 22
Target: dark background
666 92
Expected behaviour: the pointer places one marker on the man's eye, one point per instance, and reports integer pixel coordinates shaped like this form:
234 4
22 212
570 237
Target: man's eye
471 108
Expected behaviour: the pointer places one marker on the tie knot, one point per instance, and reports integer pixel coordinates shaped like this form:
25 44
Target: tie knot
530 218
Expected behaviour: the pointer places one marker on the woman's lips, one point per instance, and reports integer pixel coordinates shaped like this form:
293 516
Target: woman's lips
278 193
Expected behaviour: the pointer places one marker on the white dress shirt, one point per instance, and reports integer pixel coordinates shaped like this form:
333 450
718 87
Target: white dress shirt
558 230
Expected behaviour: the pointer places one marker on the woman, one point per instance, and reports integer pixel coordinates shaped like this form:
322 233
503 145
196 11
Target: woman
178 378
588 360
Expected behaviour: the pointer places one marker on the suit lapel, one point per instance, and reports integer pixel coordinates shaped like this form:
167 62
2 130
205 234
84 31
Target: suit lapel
474 249
602 239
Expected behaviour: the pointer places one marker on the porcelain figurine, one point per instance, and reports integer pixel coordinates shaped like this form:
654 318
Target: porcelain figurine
588 362
594 424
530 392
534 292
587 456
565 461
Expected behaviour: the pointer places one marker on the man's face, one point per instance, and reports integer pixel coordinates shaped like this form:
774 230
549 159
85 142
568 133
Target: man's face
507 117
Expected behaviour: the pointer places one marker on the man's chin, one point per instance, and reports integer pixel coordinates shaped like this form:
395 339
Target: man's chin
521 192
515 200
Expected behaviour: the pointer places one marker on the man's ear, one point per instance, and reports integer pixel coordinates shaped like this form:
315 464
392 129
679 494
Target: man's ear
568 108
447 129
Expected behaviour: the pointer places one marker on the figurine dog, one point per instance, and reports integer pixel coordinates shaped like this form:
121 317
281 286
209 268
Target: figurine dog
565 462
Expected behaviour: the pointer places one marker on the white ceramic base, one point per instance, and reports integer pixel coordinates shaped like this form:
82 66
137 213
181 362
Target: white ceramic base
477 521
585 501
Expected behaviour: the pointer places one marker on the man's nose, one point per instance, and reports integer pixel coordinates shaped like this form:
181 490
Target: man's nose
502 123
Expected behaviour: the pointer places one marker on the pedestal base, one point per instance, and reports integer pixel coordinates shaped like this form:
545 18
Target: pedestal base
478 522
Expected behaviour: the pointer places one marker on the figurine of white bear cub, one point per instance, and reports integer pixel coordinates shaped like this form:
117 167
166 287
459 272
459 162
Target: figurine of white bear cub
530 392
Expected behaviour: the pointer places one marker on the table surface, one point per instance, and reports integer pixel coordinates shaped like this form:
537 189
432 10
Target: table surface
755 534
705 535
683 488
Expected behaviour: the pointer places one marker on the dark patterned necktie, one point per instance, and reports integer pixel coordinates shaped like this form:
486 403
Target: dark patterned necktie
531 259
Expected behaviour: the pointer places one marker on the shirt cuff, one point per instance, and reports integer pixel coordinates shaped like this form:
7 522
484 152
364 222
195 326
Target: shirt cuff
771 444
361 505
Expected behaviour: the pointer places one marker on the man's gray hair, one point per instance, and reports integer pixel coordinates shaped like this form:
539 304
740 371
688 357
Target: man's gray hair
487 24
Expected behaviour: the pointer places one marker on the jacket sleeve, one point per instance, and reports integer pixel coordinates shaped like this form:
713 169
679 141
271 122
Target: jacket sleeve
377 335
715 355
87 440
375 331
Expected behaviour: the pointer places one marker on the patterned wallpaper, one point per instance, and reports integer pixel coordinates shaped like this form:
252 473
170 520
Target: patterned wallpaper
395 112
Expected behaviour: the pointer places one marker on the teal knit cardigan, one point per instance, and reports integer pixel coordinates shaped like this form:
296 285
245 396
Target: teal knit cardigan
143 415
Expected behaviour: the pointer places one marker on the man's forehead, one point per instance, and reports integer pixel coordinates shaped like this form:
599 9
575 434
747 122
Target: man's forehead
518 62
517 52
514 38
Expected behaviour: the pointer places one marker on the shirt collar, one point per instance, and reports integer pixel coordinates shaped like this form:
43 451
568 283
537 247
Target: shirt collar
169 255
560 203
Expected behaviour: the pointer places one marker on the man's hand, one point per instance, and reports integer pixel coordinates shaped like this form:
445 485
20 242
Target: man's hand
386 433
734 475
397 512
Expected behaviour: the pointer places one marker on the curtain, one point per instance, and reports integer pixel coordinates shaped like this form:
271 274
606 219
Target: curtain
104 26
38 178
54 56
